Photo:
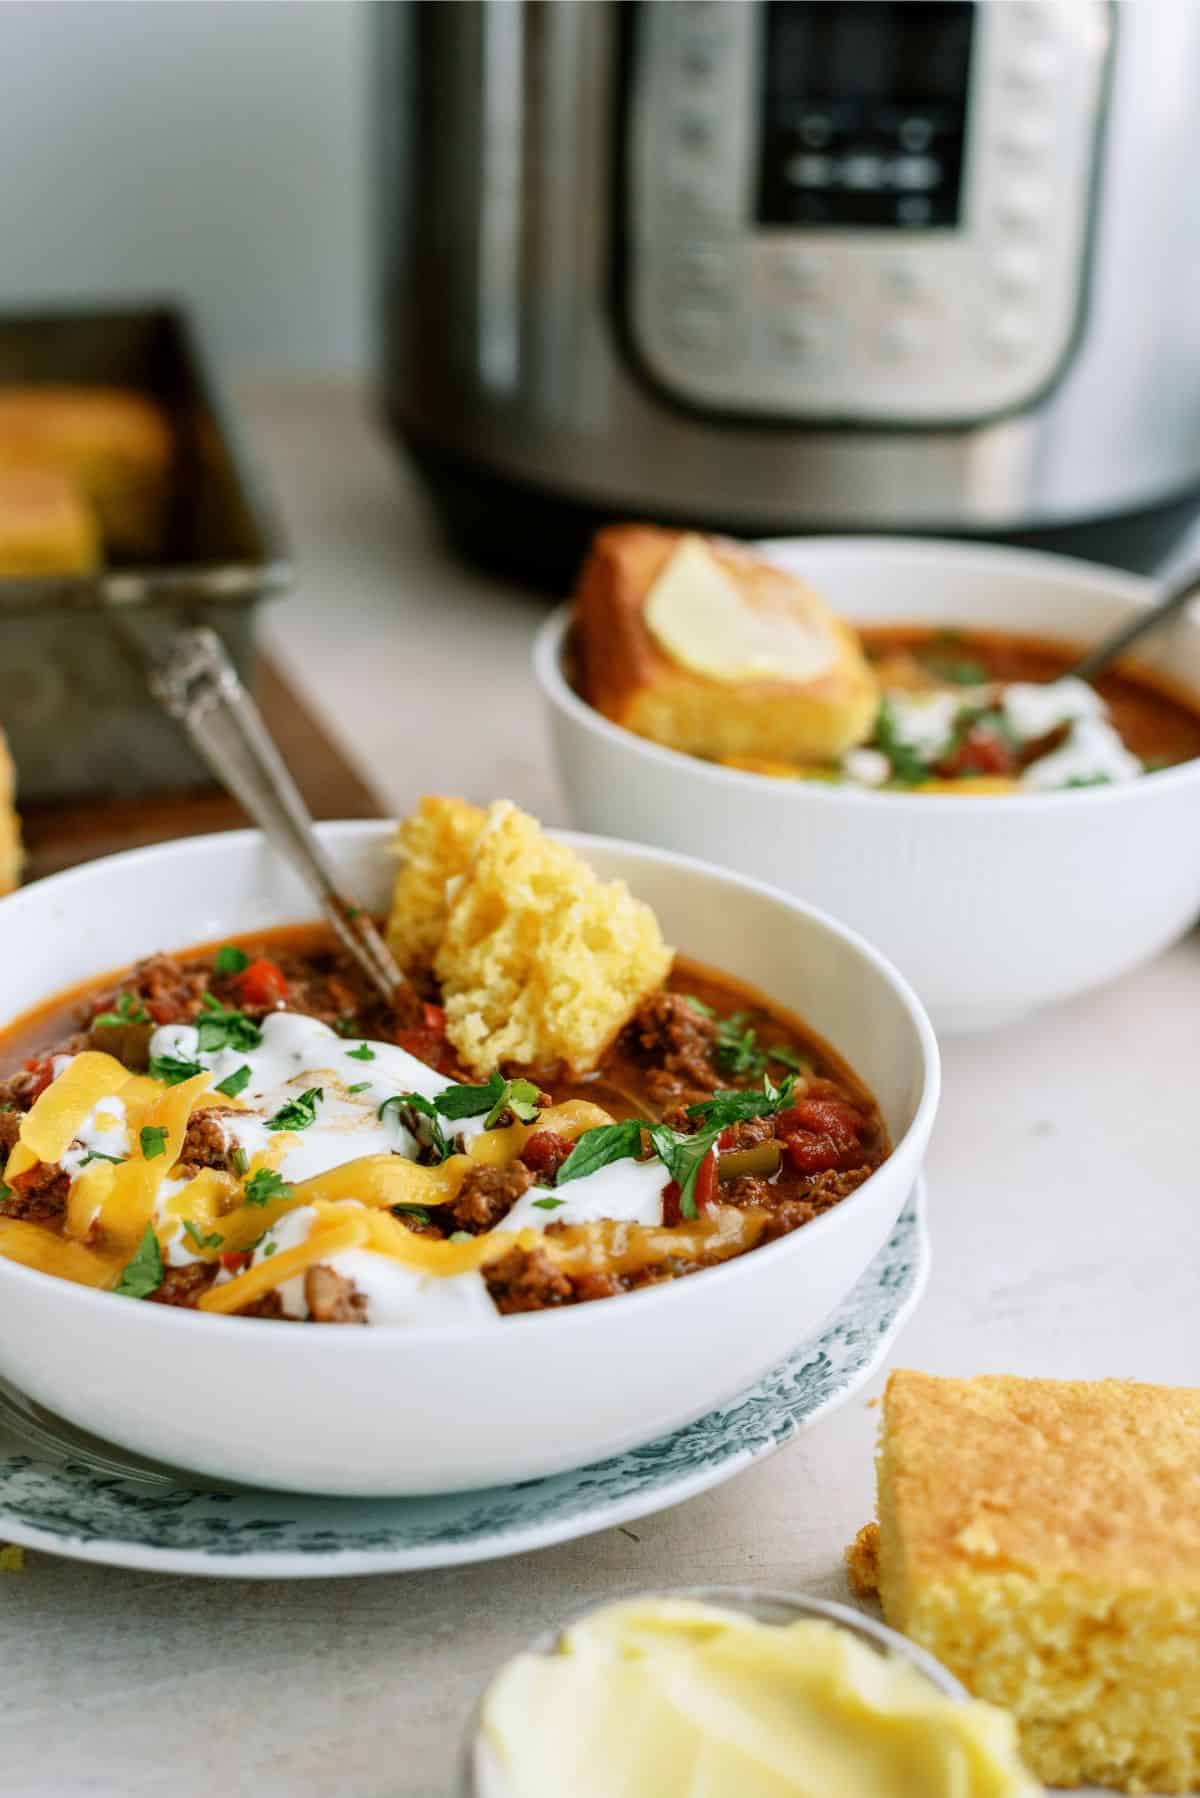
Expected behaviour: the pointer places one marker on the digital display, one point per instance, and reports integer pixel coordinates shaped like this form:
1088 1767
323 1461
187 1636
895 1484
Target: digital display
864 112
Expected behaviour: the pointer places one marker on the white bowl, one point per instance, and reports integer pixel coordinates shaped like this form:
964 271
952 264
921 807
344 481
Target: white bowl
990 906
388 1411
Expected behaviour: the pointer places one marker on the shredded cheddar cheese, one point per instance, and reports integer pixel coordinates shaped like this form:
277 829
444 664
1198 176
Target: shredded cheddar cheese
129 1206
54 1120
256 1282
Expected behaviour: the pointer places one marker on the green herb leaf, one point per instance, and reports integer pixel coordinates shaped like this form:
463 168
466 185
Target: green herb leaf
549 1204
520 1097
99 1155
197 1237
469 1101
264 1186
153 1138
683 1157
958 670
360 1087
240 1161
349 1027
1088 780
144 1274
129 1010
234 1083
5 1194
907 767
364 1052
736 1049
700 1005
597 1147
218 1027
788 1059
742 1103
229 959
419 1117
173 1069
299 1113
402 1211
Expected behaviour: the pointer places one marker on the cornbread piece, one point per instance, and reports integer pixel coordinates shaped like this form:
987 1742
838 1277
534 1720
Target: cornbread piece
10 825
46 525
112 443
540 961
862 1562
435 845
696 643
1042 1538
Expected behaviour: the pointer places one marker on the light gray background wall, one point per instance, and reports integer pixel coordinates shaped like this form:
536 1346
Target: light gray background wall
214 149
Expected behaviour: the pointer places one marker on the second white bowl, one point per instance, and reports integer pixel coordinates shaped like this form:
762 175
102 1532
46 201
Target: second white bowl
990 906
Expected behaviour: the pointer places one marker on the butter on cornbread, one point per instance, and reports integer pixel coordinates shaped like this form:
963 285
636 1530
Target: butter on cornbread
1042 1538
696 643
539 961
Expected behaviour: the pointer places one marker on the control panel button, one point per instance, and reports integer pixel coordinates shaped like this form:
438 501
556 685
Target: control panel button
1009 334
801 273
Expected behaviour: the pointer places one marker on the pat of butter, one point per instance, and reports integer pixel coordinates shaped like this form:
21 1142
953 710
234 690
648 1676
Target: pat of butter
656 1695
701 617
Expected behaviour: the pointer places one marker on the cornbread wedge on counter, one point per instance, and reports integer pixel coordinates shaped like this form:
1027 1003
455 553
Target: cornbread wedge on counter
113 444
698 644
1042 1538
46 525
540 963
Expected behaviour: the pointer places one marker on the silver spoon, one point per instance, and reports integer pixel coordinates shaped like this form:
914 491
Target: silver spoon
195 681
1174 598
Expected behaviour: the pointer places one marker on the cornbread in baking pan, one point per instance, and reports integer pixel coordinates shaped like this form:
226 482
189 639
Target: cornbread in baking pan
698 644
541 962
114 443
46 525
1042 1539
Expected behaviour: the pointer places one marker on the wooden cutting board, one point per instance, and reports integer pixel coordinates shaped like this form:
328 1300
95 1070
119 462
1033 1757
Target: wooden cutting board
59 836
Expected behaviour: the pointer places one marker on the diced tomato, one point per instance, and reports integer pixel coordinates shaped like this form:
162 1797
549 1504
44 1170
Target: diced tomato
429 1046
262 983
42 1069
434 1018
808 1153
821 1134
166 1011
545 1151
982 751
671 1211
234 1260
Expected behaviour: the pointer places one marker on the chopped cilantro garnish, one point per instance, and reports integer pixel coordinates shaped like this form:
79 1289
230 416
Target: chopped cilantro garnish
172 1069
597 1147
264 1186
549 1204
402 1211
360 1086
736 1050
741 1103
268 1249
144 1274
907 767
5 1193
364 1052
495 1097
348 1027
298 1113
700 1005
129 1010
240 1161
229 959
419 1117
683 1157
153 1138
99 1155
198 1238
234 1083
1088 780
218 1027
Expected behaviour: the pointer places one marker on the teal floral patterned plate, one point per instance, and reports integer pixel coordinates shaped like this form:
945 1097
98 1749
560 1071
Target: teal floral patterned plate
69 1493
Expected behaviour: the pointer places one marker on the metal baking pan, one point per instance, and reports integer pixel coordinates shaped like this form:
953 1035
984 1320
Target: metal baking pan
73 696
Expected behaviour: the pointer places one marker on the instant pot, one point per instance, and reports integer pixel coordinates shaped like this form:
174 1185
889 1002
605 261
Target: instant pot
776 266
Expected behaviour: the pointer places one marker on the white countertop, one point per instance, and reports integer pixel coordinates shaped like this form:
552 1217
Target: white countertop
1064 1213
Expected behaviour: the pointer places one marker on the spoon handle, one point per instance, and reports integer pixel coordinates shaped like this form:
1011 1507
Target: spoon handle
1098 657
195 681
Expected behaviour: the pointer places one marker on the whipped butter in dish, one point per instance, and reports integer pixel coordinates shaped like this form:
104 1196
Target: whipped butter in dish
671 1698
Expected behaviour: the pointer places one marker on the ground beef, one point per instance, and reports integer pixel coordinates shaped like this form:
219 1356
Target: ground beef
183 1285
488 1194
526 1280
40 1195
269 1305
10 1130
205 1143
332 1299
674 1041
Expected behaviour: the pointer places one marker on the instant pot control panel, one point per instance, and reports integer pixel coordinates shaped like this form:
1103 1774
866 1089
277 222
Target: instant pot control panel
865 211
